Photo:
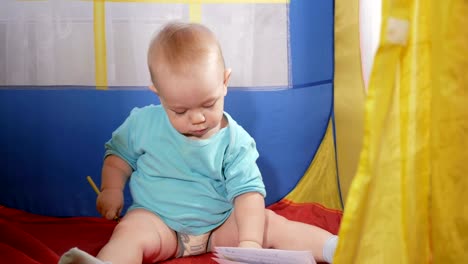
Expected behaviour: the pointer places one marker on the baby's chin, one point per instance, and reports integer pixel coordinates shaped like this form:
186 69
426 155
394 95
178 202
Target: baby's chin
203 134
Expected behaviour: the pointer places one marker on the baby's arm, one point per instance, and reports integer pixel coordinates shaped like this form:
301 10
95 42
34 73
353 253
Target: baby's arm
249 209
115 173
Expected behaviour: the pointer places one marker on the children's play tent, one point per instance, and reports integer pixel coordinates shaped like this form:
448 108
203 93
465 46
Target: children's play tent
71 71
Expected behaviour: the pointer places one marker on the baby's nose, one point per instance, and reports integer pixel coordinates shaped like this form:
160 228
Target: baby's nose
197 117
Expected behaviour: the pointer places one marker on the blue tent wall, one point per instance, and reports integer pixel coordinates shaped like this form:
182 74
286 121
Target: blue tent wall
52 138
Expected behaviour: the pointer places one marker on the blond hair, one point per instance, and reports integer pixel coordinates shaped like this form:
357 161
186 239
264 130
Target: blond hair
180 45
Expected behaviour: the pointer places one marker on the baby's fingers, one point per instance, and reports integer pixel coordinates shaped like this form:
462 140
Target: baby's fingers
111 215
106 213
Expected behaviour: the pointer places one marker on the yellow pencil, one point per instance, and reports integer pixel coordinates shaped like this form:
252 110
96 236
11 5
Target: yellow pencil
96 190
91 182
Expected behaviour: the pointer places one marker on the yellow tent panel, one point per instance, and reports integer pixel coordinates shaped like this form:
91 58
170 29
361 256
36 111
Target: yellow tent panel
407 203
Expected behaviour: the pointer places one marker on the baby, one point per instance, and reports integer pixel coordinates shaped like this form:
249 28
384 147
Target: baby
191 168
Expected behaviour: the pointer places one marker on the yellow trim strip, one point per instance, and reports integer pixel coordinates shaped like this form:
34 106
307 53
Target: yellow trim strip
100 55
195 13
349 92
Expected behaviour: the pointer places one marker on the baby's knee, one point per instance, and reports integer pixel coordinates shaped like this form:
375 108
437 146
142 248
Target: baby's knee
123 228
272 218
269 213
131 231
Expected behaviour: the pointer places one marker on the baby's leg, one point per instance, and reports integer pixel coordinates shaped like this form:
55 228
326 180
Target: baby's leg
140 237
280 233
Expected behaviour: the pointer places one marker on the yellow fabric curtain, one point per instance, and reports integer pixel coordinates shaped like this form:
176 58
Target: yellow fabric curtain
409 200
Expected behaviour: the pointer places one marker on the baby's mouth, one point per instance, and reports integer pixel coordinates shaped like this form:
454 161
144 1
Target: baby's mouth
197 133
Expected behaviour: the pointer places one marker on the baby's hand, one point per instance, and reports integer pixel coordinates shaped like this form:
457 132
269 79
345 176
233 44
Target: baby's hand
249 244
110 203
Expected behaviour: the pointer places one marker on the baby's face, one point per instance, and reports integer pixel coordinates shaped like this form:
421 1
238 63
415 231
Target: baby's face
194 101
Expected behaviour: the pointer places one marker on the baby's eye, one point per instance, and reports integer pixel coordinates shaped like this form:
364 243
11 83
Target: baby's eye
209 105
179 112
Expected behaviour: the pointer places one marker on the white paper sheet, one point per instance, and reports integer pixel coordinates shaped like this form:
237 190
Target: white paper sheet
225 261
234 255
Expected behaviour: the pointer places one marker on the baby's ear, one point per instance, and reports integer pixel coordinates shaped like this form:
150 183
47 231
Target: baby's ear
153 88
227 75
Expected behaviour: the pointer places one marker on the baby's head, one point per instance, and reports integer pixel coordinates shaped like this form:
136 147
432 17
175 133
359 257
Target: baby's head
182 48
188 73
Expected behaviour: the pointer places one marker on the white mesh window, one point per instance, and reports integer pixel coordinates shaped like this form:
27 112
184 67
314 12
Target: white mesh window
129 28
53 43
254 42
46 43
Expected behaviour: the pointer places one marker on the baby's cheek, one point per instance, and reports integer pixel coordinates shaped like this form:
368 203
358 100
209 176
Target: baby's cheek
178 125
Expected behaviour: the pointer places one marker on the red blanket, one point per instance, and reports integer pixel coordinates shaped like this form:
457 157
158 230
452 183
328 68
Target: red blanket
33 239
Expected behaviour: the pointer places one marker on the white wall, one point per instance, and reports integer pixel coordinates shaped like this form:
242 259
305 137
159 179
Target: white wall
370 16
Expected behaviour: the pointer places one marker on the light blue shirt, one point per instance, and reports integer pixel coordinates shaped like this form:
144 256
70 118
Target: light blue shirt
190 184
